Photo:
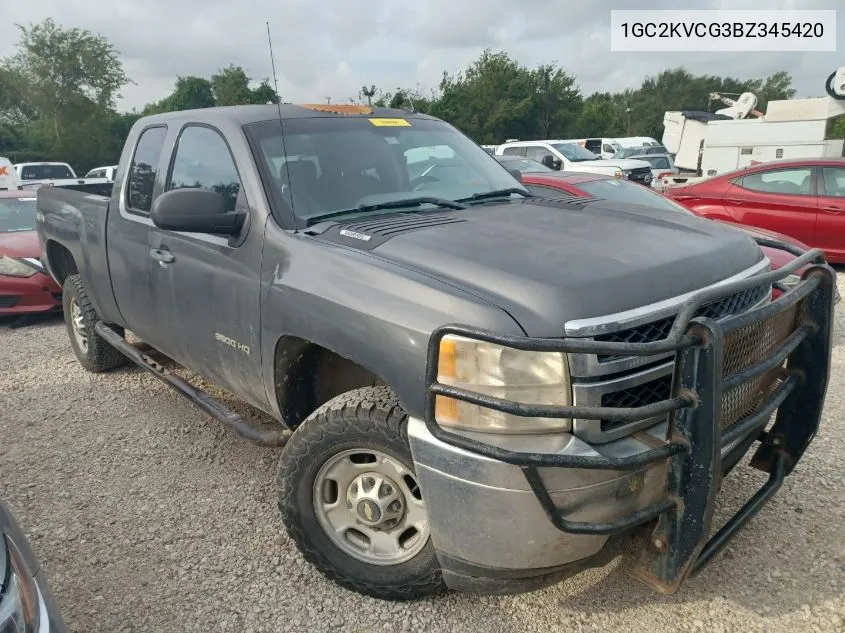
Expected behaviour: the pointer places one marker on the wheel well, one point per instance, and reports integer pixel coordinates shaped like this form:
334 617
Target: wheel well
308 375
61 261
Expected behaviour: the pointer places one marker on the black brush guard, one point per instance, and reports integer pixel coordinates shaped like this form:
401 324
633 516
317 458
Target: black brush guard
705 349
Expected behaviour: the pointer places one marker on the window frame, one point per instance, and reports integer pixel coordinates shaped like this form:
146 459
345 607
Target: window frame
822 190
241 193
127 184
738 181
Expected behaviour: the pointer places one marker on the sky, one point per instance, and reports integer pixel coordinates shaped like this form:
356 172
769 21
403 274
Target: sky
332 48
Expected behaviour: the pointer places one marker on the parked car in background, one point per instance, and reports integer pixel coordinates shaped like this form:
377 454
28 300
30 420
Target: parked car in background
570 156
25 287
803 198
602 147
564 184
103 172
630 152
524 165
662 166
26 602
8 175
34 175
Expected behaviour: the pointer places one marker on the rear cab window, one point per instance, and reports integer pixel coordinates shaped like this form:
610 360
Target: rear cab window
143 169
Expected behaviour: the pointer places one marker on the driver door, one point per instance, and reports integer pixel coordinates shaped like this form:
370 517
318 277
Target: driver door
208 286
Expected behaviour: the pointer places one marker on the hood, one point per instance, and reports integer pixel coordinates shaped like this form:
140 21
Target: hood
547 262
626 163
20 244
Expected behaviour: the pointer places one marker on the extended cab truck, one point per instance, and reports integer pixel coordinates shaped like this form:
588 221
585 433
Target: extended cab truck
482 386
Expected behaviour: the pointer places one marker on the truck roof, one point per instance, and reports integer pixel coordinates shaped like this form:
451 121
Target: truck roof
245 114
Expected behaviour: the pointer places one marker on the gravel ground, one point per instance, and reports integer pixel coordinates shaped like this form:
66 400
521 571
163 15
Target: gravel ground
150 517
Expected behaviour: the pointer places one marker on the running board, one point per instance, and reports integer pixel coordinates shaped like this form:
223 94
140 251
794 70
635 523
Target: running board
200 398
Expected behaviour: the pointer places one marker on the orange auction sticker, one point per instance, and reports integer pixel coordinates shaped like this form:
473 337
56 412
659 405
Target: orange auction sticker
390 122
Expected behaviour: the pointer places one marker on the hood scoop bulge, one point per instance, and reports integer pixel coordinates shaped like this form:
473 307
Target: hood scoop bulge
367 234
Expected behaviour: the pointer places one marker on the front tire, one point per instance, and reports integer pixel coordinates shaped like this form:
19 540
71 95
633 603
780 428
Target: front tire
92 352
350 501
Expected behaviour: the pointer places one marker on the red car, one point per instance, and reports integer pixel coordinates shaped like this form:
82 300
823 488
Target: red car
804 199
25 287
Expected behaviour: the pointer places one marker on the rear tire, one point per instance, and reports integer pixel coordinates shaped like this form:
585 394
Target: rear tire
92 352
368 428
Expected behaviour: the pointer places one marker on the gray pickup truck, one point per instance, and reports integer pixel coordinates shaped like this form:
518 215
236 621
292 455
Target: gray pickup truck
477 388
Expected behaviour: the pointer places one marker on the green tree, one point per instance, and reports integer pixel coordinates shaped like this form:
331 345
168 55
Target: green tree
264 93
189 93
230 86
58 88
557 101
773 88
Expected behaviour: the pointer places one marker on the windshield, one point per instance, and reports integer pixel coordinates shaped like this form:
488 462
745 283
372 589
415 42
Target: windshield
523 165
17 214
574 152
329 164
45 172
623 191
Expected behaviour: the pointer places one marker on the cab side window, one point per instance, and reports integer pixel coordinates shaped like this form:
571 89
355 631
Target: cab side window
202 160
514 151
143 169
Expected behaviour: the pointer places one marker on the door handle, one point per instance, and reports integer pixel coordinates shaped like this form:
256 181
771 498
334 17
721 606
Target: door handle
161 256
735 200
834 209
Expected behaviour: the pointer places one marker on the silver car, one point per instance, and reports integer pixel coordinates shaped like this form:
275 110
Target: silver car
661 165
26 603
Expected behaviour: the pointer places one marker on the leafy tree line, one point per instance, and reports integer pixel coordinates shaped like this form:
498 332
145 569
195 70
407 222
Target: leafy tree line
497 98
58 99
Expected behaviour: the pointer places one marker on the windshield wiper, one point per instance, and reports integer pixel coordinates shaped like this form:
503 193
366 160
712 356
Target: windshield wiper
443 203
497 193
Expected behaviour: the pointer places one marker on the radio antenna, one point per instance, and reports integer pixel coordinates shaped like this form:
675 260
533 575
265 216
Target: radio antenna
273 66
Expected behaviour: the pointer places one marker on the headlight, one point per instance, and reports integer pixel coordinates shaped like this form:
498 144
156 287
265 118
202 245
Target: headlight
20 605
501 372
619 173
15 268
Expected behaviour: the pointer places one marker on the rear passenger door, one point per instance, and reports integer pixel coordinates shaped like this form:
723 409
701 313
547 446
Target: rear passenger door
782 200
128 232
830 227
208 286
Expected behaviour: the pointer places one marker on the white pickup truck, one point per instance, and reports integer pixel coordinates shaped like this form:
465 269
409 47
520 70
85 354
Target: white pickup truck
569 156
34 175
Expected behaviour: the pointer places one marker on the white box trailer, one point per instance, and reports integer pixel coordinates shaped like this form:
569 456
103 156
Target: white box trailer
710 144
733 145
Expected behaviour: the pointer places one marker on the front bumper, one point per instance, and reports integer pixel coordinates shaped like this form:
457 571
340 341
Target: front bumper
25 295
510 513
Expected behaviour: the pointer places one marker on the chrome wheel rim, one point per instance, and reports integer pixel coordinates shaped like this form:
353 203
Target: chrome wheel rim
369 505
78 326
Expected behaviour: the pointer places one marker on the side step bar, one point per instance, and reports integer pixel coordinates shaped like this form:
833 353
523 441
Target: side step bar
200 398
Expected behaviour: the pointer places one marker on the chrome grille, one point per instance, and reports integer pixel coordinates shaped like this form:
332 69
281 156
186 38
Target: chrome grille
630 381
659 330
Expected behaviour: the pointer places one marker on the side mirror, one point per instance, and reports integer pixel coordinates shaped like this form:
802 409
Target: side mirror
516 174
551 162
195 211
